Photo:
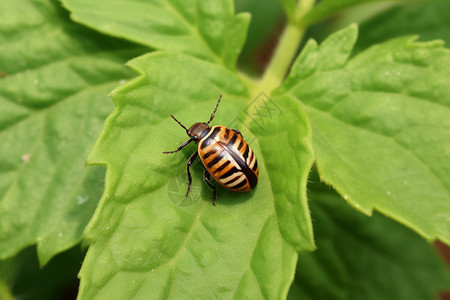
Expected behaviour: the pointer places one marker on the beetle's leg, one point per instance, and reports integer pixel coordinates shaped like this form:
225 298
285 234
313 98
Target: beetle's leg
206 178
179 148
188 164
238 132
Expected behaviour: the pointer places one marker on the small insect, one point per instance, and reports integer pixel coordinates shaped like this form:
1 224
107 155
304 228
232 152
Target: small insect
225 155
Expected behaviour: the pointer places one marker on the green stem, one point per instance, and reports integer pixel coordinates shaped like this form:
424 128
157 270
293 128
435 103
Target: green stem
289 9
286 50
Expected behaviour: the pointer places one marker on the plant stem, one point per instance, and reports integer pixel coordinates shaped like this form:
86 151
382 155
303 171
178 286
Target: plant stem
286 49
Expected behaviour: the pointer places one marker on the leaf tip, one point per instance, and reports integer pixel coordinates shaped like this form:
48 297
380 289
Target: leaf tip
350 32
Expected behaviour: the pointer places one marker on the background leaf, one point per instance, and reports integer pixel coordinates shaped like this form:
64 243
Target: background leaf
428 20
205 29
381 133
234 249
53 95
28 280
326 8
364 258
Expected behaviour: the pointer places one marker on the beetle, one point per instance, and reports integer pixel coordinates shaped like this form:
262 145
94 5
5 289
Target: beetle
225 155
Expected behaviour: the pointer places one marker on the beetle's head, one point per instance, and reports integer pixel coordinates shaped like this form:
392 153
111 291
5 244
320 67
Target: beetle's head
198 131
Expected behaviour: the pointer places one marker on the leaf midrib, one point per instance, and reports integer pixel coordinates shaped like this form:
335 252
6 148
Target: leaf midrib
248 266
173 261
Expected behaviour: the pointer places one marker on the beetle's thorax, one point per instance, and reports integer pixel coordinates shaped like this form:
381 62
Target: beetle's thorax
198 130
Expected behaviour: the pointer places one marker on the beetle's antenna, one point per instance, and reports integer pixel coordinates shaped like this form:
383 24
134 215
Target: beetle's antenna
179 123
215 109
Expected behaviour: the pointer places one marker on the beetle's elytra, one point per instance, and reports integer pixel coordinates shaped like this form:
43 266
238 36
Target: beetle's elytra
225 155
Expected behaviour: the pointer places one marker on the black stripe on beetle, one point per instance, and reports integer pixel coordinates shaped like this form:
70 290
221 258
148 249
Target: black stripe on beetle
208 154
241 143
229 182
214 161
227 133
223 166
255 166
230 172
241 184
246 153
233 139
224 153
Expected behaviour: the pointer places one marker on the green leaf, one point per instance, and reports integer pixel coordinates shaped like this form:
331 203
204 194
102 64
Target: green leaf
326 8
380 125
245 246
208 30
364 258
6 277
427 20
28 280
53 99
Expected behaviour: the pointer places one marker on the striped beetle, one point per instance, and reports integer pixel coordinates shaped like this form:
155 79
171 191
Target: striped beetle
225 155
